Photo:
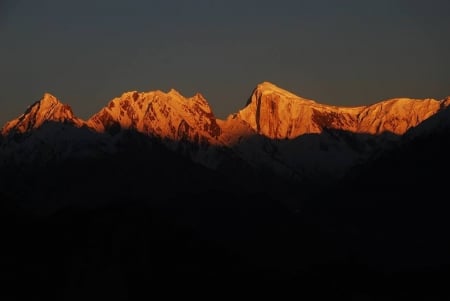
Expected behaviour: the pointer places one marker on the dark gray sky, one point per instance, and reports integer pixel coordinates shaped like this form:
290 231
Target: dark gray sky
347 52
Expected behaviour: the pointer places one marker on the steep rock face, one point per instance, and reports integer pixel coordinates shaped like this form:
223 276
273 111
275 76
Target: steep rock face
49 108
164 115
279 114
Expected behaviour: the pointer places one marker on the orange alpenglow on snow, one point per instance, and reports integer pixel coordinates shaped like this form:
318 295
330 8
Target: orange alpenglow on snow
166 115
270 111
49 108
279 114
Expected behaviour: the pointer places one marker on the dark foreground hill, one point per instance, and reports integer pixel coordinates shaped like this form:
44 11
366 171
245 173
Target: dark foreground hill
372 236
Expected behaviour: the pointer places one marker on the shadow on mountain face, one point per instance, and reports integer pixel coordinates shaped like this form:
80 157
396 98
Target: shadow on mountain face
391 214
90 169
144 215
59 165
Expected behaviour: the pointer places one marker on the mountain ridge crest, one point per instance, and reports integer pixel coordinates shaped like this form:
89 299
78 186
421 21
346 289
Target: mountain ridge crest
270 111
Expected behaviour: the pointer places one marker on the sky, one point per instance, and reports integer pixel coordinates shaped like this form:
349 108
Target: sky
346 53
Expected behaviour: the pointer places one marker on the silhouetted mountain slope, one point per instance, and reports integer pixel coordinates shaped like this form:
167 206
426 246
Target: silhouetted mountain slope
390 214
418 160
140 168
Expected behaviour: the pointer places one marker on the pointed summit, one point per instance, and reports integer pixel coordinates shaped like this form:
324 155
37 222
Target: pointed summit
266 88
48 108
49 99
277 113
175 93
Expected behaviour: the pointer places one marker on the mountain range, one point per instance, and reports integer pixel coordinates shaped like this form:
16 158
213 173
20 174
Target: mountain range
277 131
346 199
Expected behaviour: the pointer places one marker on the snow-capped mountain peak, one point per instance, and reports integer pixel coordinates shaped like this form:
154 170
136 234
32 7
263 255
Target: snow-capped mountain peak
49 100
279 114
48 108
265 88
166 115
